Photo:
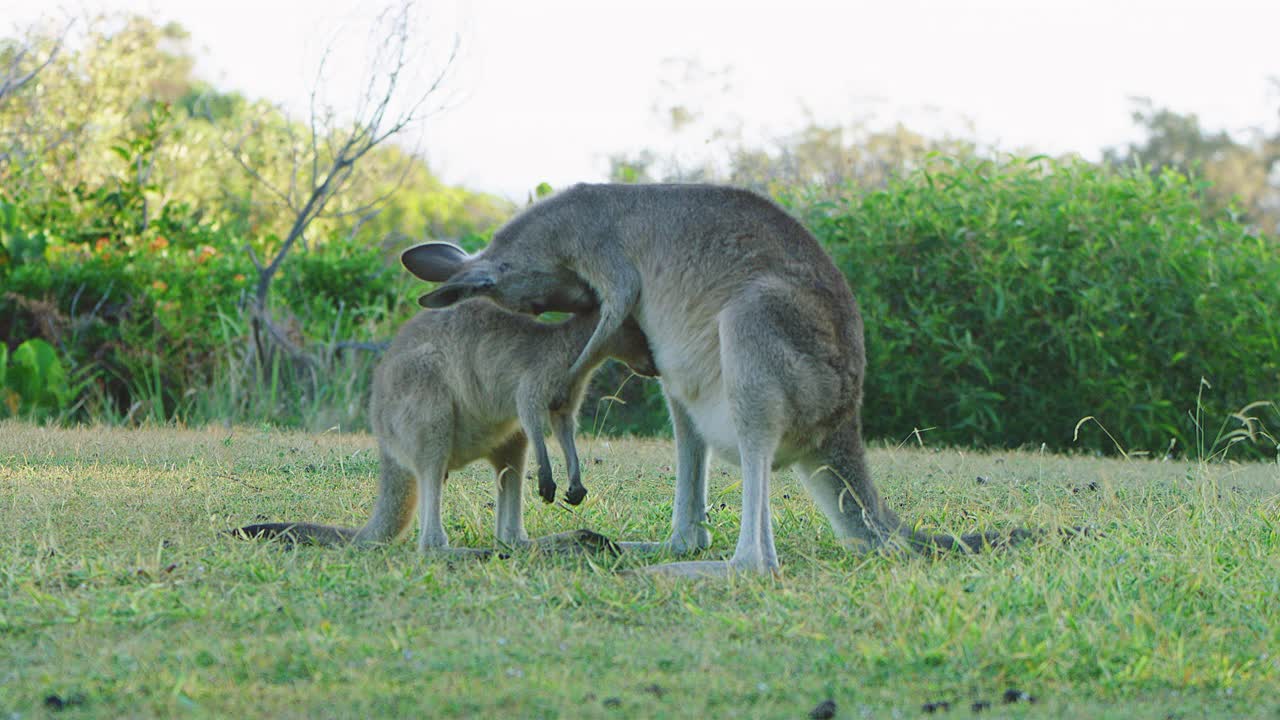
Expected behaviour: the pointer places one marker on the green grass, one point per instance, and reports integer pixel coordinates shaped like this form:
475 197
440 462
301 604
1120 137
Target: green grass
119 596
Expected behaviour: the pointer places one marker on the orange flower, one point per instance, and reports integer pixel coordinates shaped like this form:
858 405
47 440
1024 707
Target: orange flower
159 243
239 277
102 243
206 252
159 286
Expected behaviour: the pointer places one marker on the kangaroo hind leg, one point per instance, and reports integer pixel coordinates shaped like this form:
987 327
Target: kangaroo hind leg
432 466
753 374
689 532
755 383
393 510
508 467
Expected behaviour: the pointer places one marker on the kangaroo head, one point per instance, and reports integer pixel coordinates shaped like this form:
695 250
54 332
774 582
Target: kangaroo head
522 282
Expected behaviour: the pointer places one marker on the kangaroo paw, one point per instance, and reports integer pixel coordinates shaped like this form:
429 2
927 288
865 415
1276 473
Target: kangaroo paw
546 482
575 494
547 490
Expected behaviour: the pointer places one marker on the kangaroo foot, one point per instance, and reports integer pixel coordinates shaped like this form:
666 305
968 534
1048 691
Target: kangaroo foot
465 554
576 542
697 569
685 540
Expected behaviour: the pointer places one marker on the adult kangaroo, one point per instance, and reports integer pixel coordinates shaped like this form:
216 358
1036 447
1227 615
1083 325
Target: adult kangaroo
756 335
469 382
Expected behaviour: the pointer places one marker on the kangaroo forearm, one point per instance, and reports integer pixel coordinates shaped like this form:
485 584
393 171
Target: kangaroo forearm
619 289
563 425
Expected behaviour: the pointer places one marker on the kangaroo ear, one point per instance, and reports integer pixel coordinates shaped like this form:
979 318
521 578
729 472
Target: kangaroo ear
468 283
443 296
434 261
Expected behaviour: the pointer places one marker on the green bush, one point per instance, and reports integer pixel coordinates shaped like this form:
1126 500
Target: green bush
340 274
129 191
33 380
1005 302
153 322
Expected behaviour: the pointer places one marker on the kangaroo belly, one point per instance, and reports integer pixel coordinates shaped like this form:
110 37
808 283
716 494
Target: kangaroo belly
692 375
714 420
477 439
422 435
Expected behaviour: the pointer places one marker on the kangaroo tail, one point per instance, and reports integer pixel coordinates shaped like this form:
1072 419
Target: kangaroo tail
392 514
969 543
296 533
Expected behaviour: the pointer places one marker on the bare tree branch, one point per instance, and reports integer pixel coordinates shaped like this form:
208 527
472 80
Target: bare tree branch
315 136
368 210
253 257
323 164
12 79
20 68
238 154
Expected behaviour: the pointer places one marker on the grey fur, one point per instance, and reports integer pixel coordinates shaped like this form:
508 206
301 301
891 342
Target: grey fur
756 334
468 382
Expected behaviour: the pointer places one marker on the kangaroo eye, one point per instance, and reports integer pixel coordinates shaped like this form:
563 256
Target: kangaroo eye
503 267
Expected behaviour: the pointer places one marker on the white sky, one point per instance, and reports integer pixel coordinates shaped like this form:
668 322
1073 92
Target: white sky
546 90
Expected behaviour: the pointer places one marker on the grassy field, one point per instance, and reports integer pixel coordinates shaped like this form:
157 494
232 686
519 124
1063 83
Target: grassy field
120 597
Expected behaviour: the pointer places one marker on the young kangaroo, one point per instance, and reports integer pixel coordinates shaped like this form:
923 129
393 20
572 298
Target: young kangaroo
461 384
757 337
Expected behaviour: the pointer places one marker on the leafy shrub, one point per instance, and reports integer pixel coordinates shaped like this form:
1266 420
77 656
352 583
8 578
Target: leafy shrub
129 191
340 274
153 321
1005 302
33 381
618 402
